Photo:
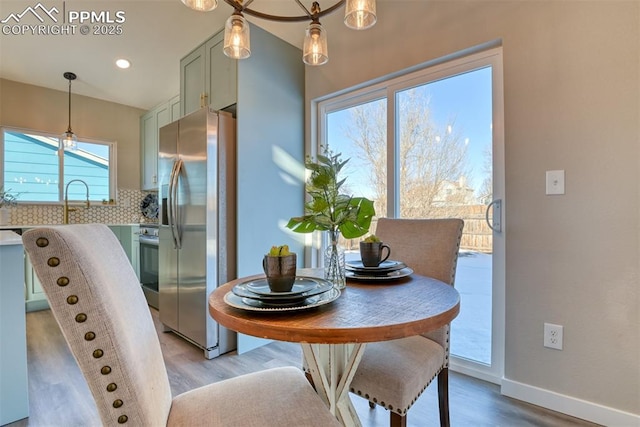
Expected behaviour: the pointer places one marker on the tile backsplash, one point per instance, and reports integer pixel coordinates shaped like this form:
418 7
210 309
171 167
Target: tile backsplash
127 211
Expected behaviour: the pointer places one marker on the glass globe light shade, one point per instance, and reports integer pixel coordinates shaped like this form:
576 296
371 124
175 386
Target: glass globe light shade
314 51
237 44
201 5
360 14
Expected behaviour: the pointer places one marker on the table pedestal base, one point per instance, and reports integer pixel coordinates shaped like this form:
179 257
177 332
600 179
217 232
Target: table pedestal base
332 367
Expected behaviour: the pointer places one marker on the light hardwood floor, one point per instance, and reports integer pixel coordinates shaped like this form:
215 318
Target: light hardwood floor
58 395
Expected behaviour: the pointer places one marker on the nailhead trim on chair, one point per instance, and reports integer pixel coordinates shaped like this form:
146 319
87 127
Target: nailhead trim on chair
43 242
401 412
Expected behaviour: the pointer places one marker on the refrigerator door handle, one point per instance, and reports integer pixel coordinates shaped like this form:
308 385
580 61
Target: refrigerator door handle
170 219
173 203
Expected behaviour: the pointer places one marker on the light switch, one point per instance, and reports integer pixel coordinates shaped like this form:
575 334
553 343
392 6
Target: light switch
555 182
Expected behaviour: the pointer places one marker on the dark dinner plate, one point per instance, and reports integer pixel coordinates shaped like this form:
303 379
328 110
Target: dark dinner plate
255 305
304 287
389 275
384 267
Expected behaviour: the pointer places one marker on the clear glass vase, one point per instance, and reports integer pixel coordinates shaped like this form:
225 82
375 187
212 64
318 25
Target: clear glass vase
334 263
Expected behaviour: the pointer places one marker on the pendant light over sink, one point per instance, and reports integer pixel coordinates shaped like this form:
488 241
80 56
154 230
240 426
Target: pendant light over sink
359 15
68 139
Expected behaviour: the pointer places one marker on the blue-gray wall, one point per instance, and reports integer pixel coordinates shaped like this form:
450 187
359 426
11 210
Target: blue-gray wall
270 113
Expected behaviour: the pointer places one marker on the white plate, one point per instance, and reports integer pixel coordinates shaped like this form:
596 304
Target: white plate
392 275
254 305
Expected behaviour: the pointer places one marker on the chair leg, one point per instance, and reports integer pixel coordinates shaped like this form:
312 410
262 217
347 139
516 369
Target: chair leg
443 397
310 379
397 420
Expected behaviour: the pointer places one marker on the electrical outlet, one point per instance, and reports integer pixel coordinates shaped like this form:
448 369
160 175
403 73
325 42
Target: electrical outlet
553 336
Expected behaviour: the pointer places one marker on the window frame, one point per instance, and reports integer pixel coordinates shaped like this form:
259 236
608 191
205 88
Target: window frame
112 145
441 68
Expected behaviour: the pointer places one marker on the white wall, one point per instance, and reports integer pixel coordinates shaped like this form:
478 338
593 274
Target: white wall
571 87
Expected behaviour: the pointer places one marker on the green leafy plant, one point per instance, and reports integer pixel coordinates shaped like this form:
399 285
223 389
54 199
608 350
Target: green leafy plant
329 209
7 198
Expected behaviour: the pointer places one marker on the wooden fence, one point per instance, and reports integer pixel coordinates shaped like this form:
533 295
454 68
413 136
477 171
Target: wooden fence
476 236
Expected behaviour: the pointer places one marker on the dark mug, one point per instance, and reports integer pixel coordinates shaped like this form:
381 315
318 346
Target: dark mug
371 253
280 272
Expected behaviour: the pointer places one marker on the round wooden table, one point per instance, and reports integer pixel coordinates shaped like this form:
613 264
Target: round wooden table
333 336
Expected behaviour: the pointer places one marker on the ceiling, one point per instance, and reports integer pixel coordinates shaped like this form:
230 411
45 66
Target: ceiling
155 35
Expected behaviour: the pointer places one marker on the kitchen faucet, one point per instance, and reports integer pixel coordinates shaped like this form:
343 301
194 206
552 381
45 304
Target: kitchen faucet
67 209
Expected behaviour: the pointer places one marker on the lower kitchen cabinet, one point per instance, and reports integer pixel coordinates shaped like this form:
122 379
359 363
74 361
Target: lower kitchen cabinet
34 295
128 235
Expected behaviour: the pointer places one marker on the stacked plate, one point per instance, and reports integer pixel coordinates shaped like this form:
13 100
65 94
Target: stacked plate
307 292
387 270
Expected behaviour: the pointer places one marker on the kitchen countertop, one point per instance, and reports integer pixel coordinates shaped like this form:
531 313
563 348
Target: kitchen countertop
9 238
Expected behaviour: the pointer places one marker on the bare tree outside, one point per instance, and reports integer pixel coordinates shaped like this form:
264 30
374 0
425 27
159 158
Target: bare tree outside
432 161
485 192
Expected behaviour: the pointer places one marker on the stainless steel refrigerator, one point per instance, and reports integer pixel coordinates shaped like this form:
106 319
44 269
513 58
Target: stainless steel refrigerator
196 168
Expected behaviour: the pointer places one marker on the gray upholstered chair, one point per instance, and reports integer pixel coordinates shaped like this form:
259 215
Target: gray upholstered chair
394 374
96 298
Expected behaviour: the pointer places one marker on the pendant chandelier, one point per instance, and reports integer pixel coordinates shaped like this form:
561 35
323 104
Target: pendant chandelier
68 139
359 15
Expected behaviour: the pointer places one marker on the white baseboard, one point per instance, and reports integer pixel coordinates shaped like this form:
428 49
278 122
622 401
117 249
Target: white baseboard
569 405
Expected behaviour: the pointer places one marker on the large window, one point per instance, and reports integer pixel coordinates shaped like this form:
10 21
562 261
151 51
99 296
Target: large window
34 165
426 145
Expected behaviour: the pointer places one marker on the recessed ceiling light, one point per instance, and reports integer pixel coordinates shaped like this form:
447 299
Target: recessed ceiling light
123 63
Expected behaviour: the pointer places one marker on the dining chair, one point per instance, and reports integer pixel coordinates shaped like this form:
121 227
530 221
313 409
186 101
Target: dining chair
97 300
393 374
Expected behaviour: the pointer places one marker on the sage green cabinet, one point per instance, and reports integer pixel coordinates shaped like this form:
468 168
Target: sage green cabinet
192 85
174 108
129 238
35 299
149 148
208 77
150 124
127 235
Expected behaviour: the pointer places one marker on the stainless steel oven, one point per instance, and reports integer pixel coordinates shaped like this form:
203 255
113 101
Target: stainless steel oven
149 244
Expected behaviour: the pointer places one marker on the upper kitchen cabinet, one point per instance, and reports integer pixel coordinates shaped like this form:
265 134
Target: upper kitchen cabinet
150 124
208 77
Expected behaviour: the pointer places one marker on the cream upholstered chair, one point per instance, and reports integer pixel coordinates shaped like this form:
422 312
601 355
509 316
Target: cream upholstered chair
96 298
394 374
